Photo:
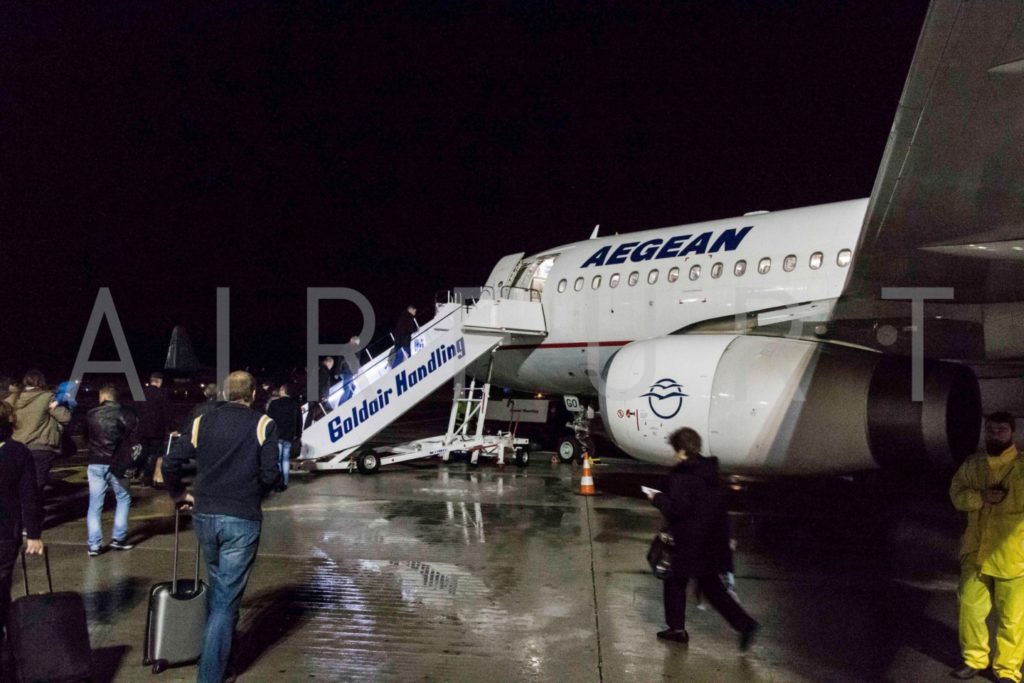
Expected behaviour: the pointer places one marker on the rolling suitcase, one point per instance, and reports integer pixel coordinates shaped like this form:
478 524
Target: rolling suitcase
48 634
177 616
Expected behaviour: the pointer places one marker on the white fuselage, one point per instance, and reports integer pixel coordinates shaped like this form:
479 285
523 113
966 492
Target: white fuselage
668 280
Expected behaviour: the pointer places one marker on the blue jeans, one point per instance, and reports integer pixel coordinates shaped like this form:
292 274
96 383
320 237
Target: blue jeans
399 354
100 479
284 449
349 389
229 547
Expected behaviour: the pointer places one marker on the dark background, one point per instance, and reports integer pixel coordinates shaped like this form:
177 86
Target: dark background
167 149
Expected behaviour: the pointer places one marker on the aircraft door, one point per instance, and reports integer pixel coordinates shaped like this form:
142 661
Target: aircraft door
540 275
501 275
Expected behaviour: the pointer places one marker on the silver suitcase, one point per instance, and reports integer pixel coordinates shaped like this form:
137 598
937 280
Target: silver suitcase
177 616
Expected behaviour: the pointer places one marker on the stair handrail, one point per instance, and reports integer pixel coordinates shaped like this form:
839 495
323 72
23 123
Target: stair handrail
386 355
531 293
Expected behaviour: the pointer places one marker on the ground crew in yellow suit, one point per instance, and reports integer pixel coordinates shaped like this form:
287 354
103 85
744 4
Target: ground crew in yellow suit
989 487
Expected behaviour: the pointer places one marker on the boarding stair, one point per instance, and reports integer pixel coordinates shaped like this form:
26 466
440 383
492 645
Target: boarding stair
460 333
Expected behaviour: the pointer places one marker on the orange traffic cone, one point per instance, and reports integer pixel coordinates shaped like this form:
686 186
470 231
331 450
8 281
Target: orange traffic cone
587 482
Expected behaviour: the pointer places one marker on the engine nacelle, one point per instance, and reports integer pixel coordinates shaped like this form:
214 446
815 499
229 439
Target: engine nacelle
788 406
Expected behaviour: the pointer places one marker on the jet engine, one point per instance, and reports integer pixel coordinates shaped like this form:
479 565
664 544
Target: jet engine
788 406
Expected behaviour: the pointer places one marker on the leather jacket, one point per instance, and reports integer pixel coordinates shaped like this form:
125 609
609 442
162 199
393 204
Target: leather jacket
109 425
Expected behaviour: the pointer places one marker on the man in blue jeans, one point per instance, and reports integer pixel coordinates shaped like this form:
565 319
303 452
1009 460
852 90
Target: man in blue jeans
112 437
236 456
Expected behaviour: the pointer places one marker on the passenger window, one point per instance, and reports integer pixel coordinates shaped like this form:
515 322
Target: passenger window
816 258
634 278
562 284
673 274
716 270
789 263
578 285
694 272
764 265
652 277
740 268
844 258
596 282
613 281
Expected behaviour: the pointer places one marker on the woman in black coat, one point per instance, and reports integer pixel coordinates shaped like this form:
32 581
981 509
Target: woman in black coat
694 508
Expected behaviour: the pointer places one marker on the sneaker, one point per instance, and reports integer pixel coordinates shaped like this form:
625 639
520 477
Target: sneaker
121 545
678 635
93 552
747 637
965 672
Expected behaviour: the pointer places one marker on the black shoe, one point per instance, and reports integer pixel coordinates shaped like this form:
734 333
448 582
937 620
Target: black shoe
678 635
747 636
965 672
94 552
121 545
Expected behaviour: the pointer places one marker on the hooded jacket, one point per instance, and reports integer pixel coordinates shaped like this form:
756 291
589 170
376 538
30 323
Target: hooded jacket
694 508
37 425
994 538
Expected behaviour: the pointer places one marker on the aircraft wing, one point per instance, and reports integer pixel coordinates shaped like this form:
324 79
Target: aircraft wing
947 208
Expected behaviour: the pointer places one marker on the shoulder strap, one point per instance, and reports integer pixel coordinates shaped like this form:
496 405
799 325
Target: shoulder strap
261 429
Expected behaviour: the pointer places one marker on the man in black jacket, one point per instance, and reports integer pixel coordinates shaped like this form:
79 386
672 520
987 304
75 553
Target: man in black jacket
236 465
405 327
210 402
284 411
326 377
112 433
19 508
694 508
153 426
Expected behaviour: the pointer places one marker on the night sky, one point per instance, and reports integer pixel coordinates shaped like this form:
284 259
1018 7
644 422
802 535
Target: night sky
400 149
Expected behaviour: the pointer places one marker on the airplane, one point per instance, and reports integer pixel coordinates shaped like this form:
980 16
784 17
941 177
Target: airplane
653 326
794 341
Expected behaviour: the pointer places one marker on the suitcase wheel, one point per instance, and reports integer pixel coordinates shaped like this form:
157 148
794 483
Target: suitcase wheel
159 666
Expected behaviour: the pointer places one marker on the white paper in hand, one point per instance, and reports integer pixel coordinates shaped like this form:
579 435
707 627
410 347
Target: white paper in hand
648 491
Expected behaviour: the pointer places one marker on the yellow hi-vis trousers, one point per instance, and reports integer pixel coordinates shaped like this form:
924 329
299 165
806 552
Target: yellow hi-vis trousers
977 594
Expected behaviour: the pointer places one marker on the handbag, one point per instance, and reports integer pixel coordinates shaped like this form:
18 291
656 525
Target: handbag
659 556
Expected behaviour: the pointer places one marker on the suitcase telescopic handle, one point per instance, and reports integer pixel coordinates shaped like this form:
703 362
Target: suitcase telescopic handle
24 569
174 573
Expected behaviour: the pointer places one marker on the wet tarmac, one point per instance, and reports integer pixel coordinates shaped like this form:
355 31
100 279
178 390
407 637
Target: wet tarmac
432 572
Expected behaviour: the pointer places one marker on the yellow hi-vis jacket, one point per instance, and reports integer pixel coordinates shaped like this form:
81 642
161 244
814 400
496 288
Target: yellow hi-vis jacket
995 533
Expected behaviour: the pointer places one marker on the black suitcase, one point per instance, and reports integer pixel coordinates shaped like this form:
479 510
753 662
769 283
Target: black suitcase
48 633
177 617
